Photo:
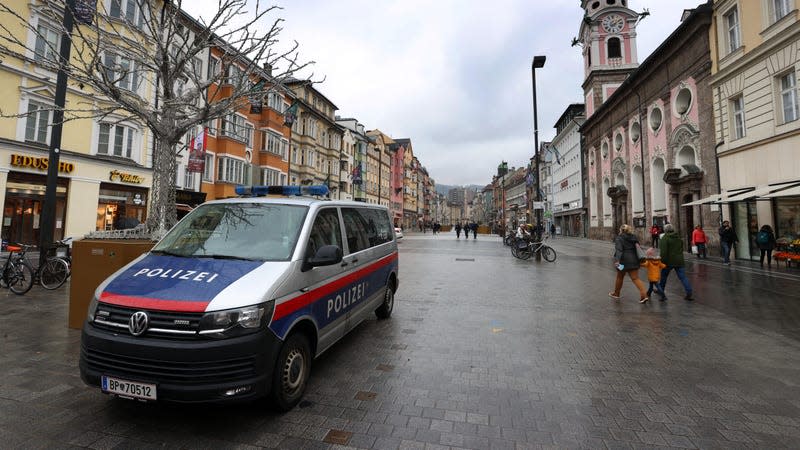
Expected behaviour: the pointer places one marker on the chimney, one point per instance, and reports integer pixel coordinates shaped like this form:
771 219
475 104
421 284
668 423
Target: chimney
268 68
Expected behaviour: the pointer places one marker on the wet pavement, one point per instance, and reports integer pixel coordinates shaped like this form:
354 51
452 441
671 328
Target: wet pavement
483 351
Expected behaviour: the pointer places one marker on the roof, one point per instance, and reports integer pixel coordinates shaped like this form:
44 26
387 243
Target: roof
291 81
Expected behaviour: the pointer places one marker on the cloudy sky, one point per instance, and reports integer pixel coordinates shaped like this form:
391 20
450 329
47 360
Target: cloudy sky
453 75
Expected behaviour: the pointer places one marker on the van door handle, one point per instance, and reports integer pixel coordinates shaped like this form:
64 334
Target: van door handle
344 264
355 260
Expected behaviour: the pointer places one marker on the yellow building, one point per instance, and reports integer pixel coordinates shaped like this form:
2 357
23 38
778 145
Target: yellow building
104 168
755 66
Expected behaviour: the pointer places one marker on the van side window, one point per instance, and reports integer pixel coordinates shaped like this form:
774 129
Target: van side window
365 227
356 228
325 231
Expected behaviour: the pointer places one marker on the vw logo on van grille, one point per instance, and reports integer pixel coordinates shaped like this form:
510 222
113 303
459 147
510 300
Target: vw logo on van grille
138 323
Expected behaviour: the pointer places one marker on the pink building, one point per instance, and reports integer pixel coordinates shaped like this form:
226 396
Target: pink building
398 172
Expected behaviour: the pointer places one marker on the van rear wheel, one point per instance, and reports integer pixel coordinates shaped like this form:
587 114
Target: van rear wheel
291 372
385 310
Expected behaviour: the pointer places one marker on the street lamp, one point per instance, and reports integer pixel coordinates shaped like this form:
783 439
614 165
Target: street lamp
289 117
380 171
538 63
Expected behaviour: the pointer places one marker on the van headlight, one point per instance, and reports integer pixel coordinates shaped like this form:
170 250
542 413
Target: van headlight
234 322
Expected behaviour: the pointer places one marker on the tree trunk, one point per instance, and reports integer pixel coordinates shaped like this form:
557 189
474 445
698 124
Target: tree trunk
162 214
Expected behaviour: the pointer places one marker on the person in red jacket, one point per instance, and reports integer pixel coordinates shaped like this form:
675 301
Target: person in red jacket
699 239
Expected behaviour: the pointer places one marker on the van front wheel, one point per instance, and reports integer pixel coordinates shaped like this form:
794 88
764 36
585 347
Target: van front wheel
291 372
385 310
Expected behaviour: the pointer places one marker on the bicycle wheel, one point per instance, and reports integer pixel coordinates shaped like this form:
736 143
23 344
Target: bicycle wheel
524 252
20 278
548 253
54 273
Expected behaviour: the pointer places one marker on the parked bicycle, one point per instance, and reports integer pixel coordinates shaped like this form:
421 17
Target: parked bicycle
55 270
17 274
523 249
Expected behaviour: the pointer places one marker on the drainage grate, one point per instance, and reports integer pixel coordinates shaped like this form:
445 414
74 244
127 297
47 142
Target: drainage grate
465 259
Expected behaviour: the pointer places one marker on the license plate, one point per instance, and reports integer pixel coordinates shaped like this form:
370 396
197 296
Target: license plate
129 389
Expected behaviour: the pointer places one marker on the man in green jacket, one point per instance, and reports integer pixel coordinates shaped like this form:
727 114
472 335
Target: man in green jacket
671 249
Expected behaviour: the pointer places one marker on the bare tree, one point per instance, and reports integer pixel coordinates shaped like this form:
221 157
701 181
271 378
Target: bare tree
141 60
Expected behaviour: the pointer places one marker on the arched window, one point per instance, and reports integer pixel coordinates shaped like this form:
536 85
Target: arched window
636 190
593 202
619 180
606 198
614 48
658 186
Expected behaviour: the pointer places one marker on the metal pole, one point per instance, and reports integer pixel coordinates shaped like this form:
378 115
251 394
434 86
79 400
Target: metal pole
537 212
289 166
49 208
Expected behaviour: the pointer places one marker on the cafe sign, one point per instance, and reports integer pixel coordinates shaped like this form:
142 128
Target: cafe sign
116 175
41 163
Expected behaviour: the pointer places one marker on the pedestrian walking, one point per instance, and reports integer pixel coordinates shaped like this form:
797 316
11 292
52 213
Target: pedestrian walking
699 240
727 240
655 232
654 265
671 248
458 230
474 227
765 239
552 230
626 260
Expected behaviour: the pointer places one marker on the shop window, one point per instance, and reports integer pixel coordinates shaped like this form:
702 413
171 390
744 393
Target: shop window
117 140
37 122
788 215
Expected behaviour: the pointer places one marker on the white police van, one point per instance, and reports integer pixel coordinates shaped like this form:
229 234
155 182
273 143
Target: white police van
239 297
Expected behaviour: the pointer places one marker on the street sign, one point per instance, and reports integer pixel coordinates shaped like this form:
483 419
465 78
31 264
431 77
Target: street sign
538 205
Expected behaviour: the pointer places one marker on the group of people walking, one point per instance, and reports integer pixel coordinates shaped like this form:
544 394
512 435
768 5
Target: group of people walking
629 257
667 254
467 227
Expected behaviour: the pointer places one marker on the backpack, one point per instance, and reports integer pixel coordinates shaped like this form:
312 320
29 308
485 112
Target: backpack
762 238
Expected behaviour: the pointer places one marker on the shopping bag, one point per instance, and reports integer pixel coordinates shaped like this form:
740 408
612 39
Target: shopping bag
640 252
694 249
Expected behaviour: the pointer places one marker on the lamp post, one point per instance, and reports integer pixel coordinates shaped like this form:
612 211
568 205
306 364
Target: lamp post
538 63
288 121
380 171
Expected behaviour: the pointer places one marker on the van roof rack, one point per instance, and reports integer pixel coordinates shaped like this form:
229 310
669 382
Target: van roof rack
319 190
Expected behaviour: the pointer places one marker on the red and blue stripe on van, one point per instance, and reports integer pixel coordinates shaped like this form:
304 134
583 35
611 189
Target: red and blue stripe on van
326 303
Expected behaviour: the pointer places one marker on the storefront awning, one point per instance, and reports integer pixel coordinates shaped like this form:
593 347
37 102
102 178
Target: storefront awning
710 199
761 192
791 192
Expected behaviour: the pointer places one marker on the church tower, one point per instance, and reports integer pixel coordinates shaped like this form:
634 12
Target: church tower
608 38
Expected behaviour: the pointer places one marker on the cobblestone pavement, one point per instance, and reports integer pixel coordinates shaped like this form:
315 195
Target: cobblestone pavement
483 351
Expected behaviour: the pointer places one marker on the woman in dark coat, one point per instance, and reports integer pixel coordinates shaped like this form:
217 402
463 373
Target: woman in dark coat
765 239
458 230
626 261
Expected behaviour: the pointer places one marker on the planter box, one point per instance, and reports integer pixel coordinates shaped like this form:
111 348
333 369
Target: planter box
93 260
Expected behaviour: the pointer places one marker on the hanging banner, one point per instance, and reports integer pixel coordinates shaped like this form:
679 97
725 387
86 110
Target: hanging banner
256 97
197 153
84 11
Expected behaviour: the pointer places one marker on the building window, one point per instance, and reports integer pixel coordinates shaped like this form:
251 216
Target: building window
272 177
211 127
249 130
121 71
275 101
47 44
789 97
780 8
614 48
233 171
273 143
188 179
37 123
116 140
234 126
213 68
208 169
732 26
737 113
127 10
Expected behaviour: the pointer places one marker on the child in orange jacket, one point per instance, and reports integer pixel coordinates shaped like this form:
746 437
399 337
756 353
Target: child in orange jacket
653 265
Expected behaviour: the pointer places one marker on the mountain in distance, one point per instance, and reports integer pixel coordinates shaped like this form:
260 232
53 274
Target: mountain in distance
444 188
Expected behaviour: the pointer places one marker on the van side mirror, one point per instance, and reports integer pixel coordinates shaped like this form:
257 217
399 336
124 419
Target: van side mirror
326 255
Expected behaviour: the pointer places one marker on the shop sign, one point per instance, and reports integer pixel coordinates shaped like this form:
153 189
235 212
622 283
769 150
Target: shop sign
39 163
116 175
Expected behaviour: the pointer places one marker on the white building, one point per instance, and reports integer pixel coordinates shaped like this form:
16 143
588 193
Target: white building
566 178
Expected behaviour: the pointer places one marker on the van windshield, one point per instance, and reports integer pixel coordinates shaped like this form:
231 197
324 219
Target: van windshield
255 231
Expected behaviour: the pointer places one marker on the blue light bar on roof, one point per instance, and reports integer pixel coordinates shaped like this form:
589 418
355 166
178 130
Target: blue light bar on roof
259 191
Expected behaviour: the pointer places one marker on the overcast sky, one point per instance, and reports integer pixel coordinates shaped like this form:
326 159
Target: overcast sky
453 75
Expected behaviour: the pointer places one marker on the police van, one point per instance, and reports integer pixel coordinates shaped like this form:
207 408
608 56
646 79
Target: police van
239 297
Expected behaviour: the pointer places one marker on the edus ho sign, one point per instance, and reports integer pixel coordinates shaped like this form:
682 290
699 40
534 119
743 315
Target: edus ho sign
39 163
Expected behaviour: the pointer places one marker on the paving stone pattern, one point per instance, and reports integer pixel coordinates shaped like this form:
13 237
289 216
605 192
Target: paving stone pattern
483 351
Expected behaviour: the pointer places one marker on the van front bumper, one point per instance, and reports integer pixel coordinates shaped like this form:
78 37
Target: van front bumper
184 371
